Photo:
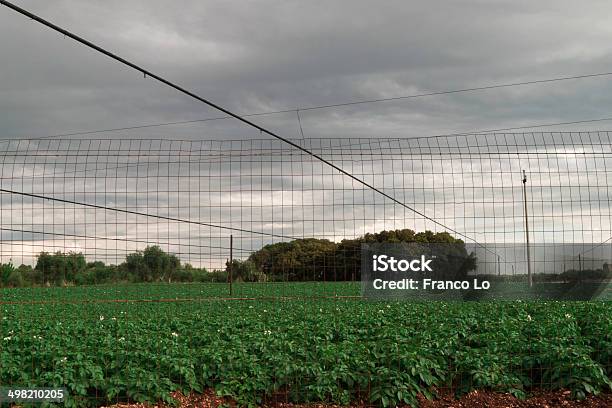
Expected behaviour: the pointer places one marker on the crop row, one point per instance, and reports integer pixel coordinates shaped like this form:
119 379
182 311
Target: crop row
316 350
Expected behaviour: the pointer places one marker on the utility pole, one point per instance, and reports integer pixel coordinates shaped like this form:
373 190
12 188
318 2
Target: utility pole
231 262
498 266
529 279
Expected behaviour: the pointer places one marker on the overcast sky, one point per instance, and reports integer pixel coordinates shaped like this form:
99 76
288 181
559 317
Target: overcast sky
263 56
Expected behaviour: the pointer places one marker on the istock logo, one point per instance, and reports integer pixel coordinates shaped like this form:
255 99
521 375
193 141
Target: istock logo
384 263
421 271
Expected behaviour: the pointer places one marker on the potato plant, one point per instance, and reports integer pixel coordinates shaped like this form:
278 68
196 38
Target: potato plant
336 350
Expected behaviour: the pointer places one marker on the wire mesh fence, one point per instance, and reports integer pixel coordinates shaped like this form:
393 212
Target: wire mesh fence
236 265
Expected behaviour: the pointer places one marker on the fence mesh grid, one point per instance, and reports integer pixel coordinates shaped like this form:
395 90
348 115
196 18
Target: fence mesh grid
172 212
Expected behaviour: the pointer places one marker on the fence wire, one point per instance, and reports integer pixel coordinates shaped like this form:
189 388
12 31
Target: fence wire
119 238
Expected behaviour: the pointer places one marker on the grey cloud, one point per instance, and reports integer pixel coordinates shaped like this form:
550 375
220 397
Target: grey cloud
269 55
470 184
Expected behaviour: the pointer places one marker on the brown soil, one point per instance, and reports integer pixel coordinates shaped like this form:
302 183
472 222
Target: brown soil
538 399
475 399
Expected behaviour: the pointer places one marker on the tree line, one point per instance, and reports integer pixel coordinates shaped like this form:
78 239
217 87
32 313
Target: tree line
150 265
308 259
323 260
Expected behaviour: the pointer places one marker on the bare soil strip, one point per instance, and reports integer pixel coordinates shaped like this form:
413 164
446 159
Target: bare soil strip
475 399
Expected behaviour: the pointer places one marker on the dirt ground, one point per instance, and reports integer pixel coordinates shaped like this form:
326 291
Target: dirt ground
475 399
541 399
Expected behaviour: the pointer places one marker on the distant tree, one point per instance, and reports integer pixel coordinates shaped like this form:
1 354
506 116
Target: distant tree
15 280
244 271
74 263
6 270
301 259
60 268
217 275
152 264
97 272
29 275
297 260
44 266
452 258
163 266
135 266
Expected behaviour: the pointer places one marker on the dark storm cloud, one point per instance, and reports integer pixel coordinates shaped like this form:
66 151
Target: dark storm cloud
257 56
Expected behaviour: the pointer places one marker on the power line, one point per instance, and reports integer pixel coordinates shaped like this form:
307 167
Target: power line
161 217
462 90
311 107
350 103
147 73
540 125
8 242
594 247
153 125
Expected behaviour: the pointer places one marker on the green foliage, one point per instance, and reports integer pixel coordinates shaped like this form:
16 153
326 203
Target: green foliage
15 280
29 275
59 268
298 260
152 264
5 271
336 351
320 259
10 276
244 271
